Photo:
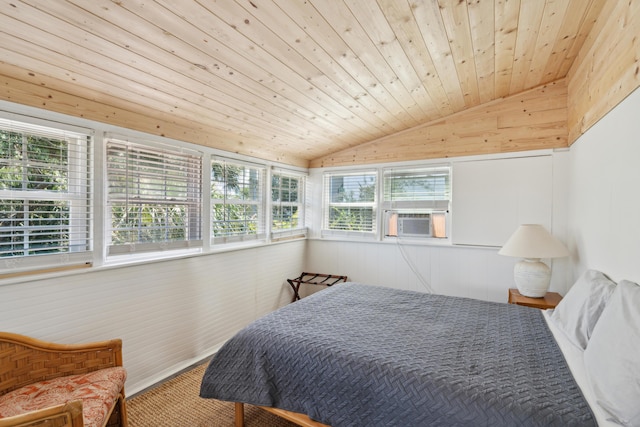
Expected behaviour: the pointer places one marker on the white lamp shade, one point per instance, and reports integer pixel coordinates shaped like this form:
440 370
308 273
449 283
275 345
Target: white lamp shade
533 241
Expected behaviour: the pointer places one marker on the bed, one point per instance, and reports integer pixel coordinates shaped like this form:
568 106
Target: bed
361 355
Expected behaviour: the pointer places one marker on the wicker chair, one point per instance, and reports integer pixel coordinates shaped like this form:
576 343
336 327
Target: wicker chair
25 361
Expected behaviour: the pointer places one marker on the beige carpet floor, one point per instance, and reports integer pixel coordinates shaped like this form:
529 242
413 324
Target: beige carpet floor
176 403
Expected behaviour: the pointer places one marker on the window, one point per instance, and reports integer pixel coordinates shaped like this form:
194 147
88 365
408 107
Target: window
154 197
237 202
419 187
416 201
287 202
45 195
350 201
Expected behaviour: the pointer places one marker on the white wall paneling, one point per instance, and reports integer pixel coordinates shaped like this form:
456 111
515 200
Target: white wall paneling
169 314
460 271
604 225
492 197
562 278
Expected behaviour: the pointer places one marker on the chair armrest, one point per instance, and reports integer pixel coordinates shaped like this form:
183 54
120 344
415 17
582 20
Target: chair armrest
25 360
65 415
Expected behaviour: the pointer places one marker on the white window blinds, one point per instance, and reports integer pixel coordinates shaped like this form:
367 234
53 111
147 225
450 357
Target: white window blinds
154 197
287 202
426 188
350 201
45 195
237 201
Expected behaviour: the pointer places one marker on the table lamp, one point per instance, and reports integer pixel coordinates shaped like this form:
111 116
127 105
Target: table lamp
533 242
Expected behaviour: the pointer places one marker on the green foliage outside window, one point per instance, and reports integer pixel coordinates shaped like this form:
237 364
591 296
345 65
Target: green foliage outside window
235 200
350 218
148 223
285 194
351 202
154 195
33 165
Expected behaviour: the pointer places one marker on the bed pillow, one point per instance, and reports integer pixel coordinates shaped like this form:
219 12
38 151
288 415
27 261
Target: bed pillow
580 309
612 357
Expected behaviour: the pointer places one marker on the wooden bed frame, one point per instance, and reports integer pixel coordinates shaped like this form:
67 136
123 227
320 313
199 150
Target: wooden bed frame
300 419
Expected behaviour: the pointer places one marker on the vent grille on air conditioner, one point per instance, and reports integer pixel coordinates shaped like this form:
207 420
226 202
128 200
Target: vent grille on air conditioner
415 224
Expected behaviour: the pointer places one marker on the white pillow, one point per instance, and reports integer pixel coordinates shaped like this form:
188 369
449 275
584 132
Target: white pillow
612 357
579 310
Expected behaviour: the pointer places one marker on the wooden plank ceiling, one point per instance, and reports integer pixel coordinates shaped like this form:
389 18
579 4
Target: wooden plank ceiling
283 80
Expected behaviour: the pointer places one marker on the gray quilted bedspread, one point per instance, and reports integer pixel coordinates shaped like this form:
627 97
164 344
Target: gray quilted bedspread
360 355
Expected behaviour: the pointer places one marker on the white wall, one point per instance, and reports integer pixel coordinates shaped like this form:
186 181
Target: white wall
491 198
169 314
461 271
604 213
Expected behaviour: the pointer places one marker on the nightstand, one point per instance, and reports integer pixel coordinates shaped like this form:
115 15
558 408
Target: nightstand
550 300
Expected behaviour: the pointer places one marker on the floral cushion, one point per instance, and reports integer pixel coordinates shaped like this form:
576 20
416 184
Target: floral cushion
98 391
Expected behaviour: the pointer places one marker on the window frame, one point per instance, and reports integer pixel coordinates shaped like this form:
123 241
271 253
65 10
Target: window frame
259 203
438 200
77 223
328 204
436 204
189 173
300 230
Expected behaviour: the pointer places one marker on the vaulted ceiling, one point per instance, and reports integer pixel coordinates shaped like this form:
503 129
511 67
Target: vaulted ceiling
283 80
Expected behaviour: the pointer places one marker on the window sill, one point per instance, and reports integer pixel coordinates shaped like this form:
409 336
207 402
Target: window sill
146 257
119 261
386 240
358 236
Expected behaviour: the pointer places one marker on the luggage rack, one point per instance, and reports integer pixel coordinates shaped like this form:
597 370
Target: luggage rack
313 279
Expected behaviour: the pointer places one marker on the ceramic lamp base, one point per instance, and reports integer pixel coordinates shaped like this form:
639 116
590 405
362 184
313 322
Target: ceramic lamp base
532 277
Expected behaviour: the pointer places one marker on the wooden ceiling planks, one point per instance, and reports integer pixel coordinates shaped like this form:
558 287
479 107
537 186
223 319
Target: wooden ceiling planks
550 25
226 81
506 34
290 80
482 28
428 18
350 29
322 66
456 23
587 16
608 67
529 20
400 75
120 71
325 46
531 120
400 18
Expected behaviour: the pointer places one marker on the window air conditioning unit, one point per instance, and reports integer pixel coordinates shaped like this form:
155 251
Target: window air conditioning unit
415 224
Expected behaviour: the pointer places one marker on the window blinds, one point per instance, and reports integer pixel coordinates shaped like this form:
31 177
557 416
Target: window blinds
287 202
350 201
417 188
237 201
154 197
45 195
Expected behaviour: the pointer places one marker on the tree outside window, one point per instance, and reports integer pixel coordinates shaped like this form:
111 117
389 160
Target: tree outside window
154 197
286 202
44 191
236 202
350 200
